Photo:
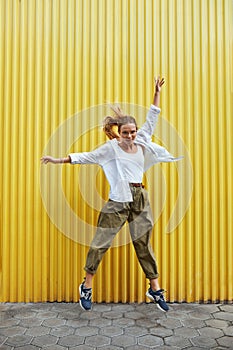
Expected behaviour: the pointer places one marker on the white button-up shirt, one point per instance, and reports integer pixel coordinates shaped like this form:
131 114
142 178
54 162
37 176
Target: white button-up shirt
108 156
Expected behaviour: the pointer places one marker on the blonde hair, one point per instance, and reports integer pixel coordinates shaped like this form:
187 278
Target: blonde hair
112 123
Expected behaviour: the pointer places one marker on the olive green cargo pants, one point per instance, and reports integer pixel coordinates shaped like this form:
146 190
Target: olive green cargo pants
111 219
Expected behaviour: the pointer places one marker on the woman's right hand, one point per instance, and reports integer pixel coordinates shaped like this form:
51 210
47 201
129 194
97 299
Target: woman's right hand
49 159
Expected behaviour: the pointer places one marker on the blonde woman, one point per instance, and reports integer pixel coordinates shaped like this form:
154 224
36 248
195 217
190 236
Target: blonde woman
124 159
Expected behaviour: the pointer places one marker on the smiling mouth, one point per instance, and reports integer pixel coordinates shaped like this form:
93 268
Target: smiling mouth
126 140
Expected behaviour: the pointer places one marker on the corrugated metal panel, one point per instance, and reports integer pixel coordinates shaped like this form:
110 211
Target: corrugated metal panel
60 63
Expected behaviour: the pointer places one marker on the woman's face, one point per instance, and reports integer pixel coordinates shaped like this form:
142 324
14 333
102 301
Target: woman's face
128 133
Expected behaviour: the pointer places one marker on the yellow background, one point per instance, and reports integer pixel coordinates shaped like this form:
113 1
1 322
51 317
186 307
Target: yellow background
59 58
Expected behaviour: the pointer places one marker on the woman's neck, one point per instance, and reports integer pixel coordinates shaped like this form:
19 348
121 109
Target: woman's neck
129 148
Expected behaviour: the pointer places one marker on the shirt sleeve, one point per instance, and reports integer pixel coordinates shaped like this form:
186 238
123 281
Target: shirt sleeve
96 156
147 129
83 158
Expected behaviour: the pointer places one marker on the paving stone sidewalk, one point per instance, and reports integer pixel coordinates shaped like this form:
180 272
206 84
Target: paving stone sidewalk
61 326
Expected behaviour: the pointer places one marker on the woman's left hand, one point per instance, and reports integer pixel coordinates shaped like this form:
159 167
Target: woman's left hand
159 83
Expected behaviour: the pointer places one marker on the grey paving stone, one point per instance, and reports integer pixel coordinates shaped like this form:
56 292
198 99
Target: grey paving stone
76 323
64 306
226 341
4 316
6 347
186 332
170 323
9 323
53 322
25 314
44 340
200 315
135 315
194 323
103 323
228 331
138 347
207 308
161 331
221 315
71 340
101 307
156 315
150 340
42 306
145 322
167 347
123 322
82 347
62 331
111 331
90 315
136 331
177 340
177 314
46 314
4 307
15 305
69 315
138 321
2 339
75 310
123 307
97 341
55 347
87 331
211 332
146 309
19 340
227 308
11 331
30 322
27 347
183 307
112 314
203 342
111 347
196 348
216 323
123 340
37 331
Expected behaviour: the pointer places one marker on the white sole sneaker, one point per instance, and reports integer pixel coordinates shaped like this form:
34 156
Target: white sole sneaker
152 299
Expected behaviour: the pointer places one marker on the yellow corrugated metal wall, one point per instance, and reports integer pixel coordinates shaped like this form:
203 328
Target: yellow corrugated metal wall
61 63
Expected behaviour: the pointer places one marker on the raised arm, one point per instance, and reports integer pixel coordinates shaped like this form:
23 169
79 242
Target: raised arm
147 129
158 85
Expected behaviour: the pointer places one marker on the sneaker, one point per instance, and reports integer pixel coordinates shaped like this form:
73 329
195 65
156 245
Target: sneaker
158 298
85 297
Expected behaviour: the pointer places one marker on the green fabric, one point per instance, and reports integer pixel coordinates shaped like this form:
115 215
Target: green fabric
111 218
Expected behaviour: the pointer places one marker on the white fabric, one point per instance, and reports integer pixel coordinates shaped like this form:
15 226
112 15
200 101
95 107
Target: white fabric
133 164
108 156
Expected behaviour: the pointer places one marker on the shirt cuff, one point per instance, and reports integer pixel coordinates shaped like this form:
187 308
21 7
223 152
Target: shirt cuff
73 158
155 108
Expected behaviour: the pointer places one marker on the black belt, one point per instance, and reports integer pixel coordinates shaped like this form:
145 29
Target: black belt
137 185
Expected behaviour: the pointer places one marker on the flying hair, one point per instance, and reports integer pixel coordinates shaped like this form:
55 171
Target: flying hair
112 123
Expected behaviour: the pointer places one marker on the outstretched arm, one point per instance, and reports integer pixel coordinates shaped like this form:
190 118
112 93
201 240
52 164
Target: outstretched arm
49 159
158 85
96 156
